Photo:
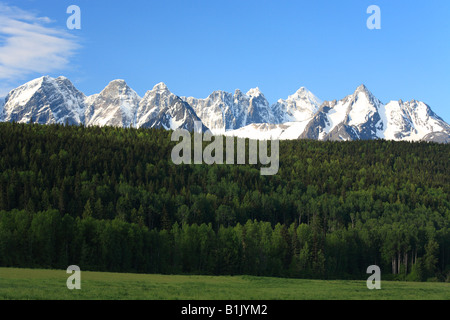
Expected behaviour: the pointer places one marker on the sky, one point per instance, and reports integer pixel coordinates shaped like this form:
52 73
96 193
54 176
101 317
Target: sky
198 46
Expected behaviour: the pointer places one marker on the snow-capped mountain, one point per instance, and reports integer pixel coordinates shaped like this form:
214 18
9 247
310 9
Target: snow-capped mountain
46 101
250 114
154 101
301 116
300 106
361 116
218 111
223 111
259 110
412 120
160 108
289 118
352 118
115 106
178 115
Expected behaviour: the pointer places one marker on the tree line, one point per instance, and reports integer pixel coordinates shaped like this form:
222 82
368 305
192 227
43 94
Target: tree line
331 211
49 240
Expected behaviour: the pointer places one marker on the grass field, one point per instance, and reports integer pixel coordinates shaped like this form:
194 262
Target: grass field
19 284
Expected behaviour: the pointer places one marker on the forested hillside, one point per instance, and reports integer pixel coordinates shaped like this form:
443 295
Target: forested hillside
111 199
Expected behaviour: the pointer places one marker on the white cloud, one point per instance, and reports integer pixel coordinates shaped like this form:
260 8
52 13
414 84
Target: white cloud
29 45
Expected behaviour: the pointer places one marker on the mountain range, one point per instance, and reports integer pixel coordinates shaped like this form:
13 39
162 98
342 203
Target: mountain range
359 116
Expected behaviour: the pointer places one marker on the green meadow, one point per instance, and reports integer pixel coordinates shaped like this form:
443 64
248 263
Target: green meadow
33 284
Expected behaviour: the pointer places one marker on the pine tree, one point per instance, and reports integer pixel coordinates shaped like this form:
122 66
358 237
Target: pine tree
87 212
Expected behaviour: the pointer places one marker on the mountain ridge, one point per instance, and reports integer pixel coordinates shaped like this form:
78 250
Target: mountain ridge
358 116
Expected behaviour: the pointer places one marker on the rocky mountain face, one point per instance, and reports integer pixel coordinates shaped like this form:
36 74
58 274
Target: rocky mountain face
47 101
115 106
301 106
301 116
154 101
412 120
361 116
177 115
352 118
160 108
218 111
223 111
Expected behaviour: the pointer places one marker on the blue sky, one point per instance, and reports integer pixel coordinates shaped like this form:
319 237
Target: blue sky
198 46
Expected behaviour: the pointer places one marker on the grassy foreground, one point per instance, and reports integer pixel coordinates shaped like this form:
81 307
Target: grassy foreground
19 284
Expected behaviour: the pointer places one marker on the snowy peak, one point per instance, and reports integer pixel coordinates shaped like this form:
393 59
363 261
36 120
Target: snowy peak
118 83
352 118
362 107
302 91
361 116
160 87
300 94
178 115
121 86
361 93
238 93
255 92
46 101
117 88
152 103
259 110
300 106
222 111
363 88
115 106
217 111
411 120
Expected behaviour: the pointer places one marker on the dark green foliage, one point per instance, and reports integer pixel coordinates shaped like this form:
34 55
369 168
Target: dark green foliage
111 199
